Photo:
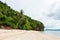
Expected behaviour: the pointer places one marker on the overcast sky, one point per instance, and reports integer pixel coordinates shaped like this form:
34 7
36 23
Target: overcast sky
46 11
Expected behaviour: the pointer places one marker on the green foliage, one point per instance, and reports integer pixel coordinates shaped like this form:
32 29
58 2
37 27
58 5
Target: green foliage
17 20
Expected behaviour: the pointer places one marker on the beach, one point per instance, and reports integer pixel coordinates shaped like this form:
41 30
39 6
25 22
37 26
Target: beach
25 35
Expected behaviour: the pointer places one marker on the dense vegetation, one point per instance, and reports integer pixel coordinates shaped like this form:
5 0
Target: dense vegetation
17 20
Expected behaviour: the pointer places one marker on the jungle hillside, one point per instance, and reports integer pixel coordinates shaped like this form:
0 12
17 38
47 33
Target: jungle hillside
12 19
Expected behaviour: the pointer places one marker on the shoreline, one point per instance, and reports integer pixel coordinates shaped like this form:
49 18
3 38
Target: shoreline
25 35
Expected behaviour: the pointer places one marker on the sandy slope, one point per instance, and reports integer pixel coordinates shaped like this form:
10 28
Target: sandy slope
24 35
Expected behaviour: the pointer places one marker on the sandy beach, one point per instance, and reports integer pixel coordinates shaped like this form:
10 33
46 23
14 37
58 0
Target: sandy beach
24 35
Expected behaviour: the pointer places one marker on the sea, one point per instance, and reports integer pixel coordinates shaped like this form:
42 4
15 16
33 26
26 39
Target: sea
54 33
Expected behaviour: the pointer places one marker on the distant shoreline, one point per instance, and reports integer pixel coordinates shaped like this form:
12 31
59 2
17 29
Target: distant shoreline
52 30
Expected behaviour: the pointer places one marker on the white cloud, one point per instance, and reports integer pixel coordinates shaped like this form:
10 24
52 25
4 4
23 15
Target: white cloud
55 11
37 9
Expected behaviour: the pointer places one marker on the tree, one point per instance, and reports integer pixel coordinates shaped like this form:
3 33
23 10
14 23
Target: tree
21 12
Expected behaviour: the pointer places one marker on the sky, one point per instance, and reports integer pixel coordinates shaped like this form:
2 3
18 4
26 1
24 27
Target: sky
46 11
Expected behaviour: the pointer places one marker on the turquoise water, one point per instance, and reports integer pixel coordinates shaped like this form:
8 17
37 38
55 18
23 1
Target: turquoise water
55 33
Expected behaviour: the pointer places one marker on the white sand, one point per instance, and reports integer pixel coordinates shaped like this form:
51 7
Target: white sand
24 35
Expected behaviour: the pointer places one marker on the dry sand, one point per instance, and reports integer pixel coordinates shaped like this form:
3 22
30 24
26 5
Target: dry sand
24 35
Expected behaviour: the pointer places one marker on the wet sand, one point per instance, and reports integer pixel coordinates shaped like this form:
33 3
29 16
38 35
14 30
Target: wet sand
24 35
